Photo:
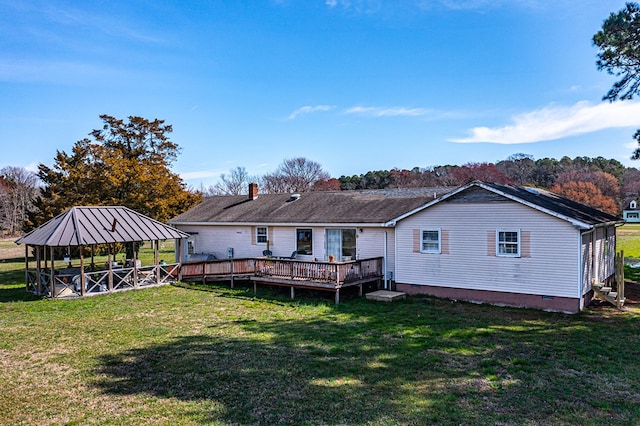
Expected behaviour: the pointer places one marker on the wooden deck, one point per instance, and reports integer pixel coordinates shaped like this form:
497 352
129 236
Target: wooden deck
328 276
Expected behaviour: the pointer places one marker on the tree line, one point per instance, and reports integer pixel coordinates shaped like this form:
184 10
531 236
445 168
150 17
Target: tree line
603 183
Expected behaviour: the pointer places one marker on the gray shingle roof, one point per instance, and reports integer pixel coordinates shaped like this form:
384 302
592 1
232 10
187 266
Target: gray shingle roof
367 206
579 214
99 225
557 204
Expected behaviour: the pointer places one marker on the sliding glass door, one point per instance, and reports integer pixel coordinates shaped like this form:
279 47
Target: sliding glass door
341 243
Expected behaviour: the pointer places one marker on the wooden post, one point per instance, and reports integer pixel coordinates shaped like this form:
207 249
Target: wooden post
135 265
52 276
83 281
293 293
232 264
93 265
110 259
38 278
26 267
337 296
620 279
156 260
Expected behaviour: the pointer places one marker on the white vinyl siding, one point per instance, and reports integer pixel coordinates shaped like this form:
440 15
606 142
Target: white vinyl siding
549 264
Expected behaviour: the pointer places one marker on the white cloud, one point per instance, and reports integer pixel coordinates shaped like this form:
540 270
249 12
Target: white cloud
332 3
200 174
388 112
308 110
556 121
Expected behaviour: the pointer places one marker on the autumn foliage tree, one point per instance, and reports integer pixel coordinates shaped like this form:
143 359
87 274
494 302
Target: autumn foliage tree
124 163
586 193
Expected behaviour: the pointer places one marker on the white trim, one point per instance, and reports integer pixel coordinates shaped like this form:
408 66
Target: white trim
432 251
518 243
285 224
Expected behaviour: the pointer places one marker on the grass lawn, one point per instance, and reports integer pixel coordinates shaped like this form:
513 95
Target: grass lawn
211 355
629 240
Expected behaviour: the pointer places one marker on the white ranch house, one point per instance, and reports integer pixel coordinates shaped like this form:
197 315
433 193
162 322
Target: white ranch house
481 242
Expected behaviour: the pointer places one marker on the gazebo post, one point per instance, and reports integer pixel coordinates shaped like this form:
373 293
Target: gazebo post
52 276
83 288
110 279
39 280
135 265
93 265
26 265
156 261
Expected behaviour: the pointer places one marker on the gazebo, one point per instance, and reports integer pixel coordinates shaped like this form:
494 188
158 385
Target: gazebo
83 226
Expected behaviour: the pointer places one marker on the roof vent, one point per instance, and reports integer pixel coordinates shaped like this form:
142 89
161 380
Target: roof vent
293 197
532 190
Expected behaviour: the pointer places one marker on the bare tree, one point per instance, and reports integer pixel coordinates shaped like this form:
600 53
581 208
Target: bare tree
235 183
17 193
294 175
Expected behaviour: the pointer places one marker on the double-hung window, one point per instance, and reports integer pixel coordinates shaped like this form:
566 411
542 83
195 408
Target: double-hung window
508 243
304 241
261 235
430 241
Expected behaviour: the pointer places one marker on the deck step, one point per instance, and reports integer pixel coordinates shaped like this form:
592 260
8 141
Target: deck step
605 290
385 295
613 295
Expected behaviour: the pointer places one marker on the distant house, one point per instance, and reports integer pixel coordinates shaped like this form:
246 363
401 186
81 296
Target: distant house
481 242
631 213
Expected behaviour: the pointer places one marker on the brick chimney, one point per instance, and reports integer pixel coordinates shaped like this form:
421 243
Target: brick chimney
253 191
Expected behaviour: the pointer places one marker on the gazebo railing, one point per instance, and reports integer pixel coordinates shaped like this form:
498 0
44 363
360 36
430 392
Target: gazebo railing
102 281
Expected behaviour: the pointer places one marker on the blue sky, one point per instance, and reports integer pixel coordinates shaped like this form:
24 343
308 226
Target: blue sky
355 85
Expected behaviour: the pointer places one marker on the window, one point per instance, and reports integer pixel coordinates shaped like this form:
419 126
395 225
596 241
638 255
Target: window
261 235
633 215
341 243
430 241
508 243
304 241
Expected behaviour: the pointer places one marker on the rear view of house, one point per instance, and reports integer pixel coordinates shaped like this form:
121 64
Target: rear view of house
481 242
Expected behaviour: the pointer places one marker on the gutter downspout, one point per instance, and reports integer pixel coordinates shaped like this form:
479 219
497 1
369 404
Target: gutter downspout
384 266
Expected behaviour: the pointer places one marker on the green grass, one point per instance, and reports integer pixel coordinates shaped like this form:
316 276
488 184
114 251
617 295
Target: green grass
629 240
212 355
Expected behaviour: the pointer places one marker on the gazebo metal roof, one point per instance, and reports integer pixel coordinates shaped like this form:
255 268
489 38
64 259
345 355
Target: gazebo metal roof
88 225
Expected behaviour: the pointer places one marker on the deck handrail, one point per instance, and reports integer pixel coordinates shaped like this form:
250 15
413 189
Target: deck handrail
293 269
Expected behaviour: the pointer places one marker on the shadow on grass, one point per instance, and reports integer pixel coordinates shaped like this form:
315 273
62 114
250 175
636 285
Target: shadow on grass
386 368
16 294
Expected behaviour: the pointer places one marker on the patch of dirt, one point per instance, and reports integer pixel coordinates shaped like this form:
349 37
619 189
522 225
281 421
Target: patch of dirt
631 293
10 250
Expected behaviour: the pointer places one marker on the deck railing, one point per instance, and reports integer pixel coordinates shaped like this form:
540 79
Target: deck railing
288 269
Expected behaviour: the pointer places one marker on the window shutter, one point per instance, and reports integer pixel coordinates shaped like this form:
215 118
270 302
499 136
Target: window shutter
491 243
525 243
444 242
253 235
416 241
